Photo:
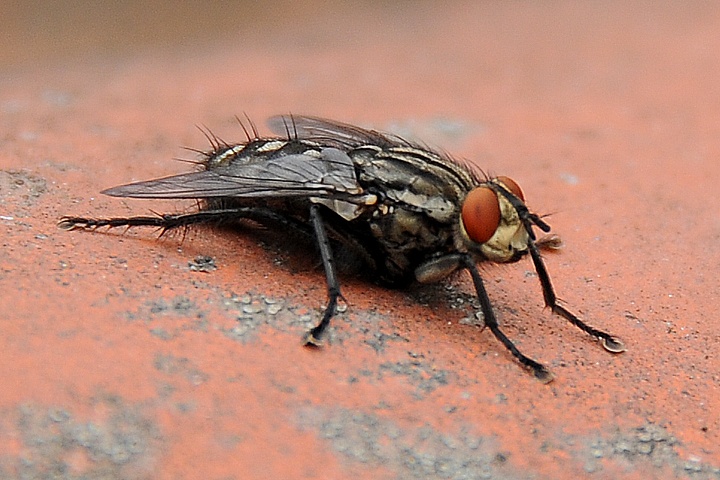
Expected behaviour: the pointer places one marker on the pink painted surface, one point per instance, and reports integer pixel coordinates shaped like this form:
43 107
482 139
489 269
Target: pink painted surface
119 361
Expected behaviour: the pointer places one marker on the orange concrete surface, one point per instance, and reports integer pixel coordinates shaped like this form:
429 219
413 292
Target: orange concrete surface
120 360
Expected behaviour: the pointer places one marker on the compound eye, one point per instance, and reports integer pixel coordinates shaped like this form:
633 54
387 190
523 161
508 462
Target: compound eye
510 184
481 214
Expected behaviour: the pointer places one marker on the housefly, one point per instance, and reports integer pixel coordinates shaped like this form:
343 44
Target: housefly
410 214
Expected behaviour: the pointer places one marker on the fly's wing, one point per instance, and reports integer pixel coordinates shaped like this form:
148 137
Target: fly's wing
330 133
330 175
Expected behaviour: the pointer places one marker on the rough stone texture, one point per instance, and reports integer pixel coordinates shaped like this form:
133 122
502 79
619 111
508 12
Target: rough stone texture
124 356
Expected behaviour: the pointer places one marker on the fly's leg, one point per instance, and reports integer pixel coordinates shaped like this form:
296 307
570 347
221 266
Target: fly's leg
609 342
539 370
168 222
312 338
165 221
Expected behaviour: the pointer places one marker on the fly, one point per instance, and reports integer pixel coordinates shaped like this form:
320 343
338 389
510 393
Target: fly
410 214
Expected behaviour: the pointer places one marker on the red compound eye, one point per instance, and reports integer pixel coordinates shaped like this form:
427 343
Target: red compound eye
512 186
481 214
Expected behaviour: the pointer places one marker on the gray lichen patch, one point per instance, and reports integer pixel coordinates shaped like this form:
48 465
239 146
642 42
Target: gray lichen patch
365 439
55 443
648 446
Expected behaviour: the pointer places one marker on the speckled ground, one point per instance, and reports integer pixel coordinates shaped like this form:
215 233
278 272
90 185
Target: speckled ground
125 356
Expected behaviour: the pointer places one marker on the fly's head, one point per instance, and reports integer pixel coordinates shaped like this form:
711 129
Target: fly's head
490 222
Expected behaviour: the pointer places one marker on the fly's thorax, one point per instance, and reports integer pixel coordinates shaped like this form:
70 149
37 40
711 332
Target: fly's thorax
490 224
413 179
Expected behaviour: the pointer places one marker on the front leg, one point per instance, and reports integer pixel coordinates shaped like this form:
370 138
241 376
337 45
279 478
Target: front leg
610 342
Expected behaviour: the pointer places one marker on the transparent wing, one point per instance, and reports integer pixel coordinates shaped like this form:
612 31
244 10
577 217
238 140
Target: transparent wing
330 133
332 174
